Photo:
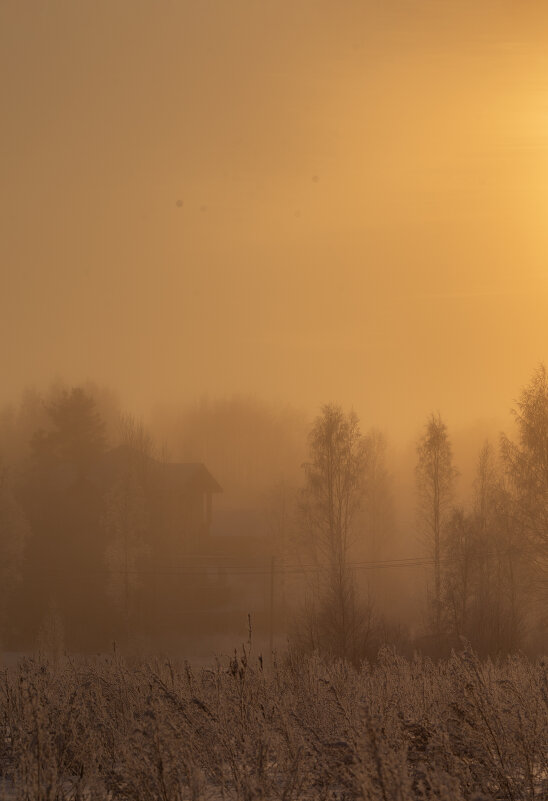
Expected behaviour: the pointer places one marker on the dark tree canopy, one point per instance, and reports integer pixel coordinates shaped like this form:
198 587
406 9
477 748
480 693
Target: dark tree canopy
77 433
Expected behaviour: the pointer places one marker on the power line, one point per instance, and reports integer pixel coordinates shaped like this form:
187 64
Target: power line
255 569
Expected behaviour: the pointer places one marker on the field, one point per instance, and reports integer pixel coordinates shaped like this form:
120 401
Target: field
302 729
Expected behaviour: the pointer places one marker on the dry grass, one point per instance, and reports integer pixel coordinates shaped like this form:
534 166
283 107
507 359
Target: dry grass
397 730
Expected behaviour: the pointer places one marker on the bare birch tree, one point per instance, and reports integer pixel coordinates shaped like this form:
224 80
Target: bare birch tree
330 502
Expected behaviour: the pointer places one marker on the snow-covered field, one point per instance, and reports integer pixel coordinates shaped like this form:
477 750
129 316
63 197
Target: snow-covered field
103 728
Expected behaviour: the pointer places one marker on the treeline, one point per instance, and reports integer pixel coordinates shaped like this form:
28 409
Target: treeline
490 560
55 522
74 549
95 546
487 564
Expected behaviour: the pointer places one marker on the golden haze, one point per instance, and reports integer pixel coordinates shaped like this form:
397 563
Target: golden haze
306 201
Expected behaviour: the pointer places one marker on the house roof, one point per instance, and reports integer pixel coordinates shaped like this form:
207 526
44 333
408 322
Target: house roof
184 476
191 475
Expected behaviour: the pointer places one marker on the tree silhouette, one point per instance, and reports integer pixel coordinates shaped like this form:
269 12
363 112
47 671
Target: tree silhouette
526 464
435 481
330 501
77 432
66 549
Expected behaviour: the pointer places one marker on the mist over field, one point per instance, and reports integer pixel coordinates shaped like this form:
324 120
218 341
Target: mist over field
273 400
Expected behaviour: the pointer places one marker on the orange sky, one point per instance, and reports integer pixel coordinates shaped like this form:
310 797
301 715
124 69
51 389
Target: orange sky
308 201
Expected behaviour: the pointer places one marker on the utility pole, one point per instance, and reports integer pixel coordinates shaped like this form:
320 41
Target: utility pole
271 621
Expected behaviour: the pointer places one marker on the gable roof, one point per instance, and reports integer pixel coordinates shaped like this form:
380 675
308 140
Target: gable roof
191 476
183 476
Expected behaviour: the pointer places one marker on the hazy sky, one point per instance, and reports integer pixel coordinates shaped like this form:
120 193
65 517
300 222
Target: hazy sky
305 200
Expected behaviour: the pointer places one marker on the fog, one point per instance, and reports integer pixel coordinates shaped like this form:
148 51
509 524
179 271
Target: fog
302 202
273 400
223 223
176 533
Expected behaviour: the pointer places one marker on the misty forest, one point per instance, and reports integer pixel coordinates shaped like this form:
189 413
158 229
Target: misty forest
273 400
293 528
162 644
